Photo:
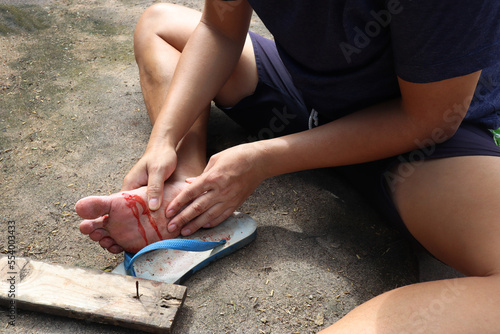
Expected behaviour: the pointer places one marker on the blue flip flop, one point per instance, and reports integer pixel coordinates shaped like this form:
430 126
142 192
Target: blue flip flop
175 260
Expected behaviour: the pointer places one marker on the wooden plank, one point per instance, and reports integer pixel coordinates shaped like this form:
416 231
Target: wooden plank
90 294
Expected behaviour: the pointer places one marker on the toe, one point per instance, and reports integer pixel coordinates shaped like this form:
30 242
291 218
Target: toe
90 225
107 242
93 207
115 249
98 234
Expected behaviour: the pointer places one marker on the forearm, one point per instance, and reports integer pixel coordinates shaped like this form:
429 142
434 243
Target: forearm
206 63
375 133
233 174
427 113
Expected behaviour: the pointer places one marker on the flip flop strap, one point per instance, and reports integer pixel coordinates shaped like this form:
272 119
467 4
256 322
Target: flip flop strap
188 245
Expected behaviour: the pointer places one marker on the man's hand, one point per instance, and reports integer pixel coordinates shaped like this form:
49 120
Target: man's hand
227 181
207 62
153 169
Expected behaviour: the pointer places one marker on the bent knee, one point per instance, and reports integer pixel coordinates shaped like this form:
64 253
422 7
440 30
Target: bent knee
159 12
153 19
172 23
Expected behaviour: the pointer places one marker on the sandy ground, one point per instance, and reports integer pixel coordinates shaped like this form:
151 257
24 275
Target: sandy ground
73 123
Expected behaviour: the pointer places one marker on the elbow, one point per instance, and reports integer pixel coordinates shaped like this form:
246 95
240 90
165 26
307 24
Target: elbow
452 119
446 125
444 132
450 123
438 134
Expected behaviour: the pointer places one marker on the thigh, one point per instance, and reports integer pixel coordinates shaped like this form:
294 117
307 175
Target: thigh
450 205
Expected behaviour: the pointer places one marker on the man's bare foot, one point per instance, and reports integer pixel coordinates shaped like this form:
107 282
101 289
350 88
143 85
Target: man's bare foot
122 221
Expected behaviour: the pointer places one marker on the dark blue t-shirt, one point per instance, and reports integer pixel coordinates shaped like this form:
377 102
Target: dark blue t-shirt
344 55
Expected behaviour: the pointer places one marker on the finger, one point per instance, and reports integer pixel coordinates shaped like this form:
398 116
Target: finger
203 219
191 211
155 190
210 218
186 196
156 181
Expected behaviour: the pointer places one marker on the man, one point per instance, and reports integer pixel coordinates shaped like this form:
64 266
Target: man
402 90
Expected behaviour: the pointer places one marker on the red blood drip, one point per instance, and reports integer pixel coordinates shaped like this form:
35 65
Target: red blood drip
132 201
105 220
135 211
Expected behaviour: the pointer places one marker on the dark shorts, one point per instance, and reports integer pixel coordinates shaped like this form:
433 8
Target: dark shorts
276 108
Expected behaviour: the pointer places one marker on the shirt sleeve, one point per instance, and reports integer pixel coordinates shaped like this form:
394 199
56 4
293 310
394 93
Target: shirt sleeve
438 40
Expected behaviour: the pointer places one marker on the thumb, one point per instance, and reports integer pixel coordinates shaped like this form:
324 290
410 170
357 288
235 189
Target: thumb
156 180
136 178
155 191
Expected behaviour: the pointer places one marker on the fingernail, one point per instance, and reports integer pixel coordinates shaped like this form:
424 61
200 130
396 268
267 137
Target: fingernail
153 204
186 232
172 228
170 213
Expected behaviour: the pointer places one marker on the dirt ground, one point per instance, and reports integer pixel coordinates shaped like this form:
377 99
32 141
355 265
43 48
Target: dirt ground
73 122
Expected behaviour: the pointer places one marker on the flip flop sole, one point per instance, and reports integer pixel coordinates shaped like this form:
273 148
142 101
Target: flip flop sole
175 266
